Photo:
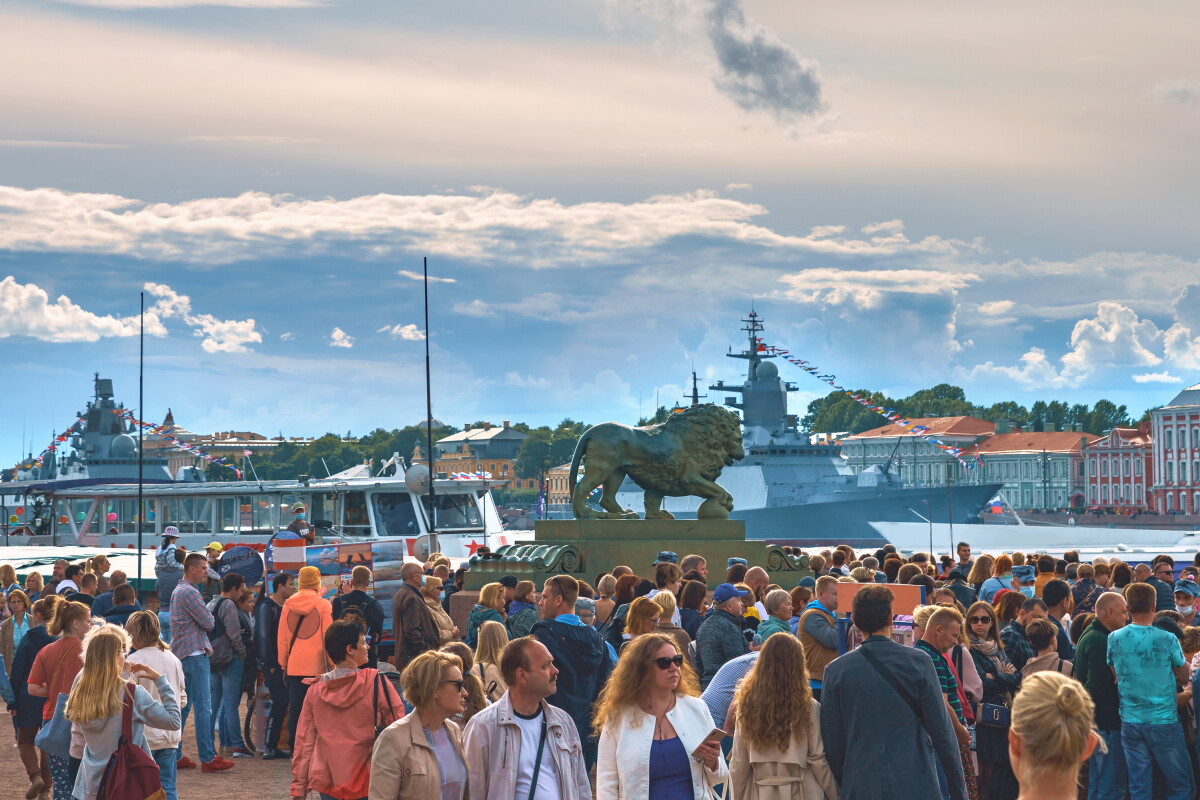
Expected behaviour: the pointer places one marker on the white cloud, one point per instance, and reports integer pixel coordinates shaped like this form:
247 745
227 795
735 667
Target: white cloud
734 187
26 310
547 306
1114 337
416 276
490 225
218 336
339 338
1182 348
518 381
1034 372
408 332
866 287
996 308
287 337
1156 377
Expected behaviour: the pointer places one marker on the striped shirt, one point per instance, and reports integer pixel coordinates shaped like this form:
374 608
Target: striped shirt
719 694
945 678
190 622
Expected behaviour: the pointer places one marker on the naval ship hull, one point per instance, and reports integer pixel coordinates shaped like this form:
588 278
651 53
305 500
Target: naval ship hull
832 520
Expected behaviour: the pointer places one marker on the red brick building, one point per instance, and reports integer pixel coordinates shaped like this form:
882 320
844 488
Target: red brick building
1120 469
1175 429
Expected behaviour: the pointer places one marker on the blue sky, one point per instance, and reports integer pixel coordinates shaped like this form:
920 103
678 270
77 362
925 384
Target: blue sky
1002 198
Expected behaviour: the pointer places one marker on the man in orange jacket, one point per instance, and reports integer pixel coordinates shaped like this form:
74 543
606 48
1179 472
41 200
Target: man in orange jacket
302 625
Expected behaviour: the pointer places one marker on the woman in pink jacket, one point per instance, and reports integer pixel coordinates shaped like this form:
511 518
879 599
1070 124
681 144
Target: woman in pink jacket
342 711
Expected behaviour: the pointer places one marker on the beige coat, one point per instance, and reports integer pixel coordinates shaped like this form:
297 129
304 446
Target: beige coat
444 624
802 773
403 764
490 676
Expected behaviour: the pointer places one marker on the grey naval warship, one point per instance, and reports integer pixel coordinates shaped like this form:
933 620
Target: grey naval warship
791 491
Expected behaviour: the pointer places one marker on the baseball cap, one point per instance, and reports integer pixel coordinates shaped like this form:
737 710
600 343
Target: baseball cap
729 563
727 591
808 581
1024 573
1188 587
666 555
299 507
508 582
171 531
215 546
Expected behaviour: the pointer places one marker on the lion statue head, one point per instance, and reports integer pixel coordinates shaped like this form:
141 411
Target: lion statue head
710 434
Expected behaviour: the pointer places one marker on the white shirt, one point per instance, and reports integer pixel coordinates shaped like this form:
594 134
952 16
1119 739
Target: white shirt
66 584
166 663
547 784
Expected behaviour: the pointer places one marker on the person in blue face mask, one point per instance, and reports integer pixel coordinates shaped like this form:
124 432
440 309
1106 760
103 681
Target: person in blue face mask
299 524
1023 579
1186 592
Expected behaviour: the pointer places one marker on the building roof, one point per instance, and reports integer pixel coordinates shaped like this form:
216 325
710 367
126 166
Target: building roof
1188 397
483 435
1133 437
1032 442
938 426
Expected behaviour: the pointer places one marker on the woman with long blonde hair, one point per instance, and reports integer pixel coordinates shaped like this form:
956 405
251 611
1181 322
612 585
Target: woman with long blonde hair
492 639
654 727
34 585
146 635
1051 735
53 673
642 618
777 747
98 696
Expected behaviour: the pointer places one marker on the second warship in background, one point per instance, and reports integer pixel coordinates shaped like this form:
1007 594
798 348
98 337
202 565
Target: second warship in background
791 491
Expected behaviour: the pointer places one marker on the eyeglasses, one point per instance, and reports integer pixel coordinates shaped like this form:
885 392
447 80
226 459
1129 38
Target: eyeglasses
973 620
665 663
1166 571
458 684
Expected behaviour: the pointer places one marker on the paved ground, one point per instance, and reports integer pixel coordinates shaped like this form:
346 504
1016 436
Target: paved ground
250 779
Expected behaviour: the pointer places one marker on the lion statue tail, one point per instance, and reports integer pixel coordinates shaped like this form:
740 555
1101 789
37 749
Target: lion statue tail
576 459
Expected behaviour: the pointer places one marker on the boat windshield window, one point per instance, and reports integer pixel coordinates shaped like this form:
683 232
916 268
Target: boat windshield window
395 515
455 511
354 515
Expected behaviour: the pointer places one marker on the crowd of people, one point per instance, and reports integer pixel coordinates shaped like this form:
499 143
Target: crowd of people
1015 676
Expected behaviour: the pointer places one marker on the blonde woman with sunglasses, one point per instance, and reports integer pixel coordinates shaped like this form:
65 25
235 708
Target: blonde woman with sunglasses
654 728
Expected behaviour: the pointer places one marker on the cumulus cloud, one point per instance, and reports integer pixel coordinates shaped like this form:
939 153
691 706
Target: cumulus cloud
547 306
996 308
758 71
217 335
339 338
488 226
1156 377
734 187
865 288
1034 371
1114 337
26 310
287 337
416 276
519 381
408 332
1184 92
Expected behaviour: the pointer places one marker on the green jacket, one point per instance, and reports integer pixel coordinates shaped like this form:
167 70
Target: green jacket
1092 670
479 615
772 625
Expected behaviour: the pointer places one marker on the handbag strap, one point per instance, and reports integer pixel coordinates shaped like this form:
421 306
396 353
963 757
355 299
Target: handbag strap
127 712
895 684
537 764
392 709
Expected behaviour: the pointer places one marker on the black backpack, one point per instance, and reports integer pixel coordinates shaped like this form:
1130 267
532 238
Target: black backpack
353 608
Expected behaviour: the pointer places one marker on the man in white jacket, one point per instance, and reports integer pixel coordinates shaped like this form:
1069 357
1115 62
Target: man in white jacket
521 741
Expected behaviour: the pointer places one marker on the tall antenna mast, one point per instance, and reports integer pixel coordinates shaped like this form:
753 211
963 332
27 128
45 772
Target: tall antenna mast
429 416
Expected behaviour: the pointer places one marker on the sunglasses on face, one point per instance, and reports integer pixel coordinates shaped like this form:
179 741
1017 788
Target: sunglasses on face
973 620
665 663
458 684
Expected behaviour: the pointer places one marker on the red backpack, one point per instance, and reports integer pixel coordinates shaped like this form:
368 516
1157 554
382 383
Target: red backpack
131 773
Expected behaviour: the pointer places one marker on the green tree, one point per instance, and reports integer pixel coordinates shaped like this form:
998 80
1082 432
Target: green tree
1146 414
1105 416
533 459
943 400
1008 410
659 416
837 412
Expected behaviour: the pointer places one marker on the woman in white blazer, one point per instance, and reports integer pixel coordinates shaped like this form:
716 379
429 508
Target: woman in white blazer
654 728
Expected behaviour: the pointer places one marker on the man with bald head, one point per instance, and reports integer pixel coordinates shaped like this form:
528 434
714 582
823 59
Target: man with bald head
757 579
1107 775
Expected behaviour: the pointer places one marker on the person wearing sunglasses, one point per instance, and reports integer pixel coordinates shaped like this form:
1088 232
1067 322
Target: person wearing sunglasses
421 755
654 728
1000 682
1163 581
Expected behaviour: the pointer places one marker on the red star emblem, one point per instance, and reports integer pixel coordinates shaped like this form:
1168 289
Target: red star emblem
472 548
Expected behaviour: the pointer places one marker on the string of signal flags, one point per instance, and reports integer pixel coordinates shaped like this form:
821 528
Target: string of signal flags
890 414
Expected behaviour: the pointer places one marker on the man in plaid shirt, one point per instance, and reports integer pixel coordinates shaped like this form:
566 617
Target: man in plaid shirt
190 623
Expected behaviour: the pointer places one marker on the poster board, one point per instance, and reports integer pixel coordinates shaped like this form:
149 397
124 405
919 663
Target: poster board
905 597
336 562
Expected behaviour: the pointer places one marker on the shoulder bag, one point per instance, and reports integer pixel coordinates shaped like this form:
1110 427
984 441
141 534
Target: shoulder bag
131 774
391 709
54 739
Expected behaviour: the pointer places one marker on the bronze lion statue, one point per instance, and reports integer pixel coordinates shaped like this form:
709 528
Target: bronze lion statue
682 456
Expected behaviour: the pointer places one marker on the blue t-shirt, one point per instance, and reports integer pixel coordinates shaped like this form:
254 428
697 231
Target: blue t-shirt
1143 658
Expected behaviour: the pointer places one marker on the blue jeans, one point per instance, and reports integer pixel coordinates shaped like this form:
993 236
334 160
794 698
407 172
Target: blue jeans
197 684
1107 777
226 697
1162 746
166 770
164 622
